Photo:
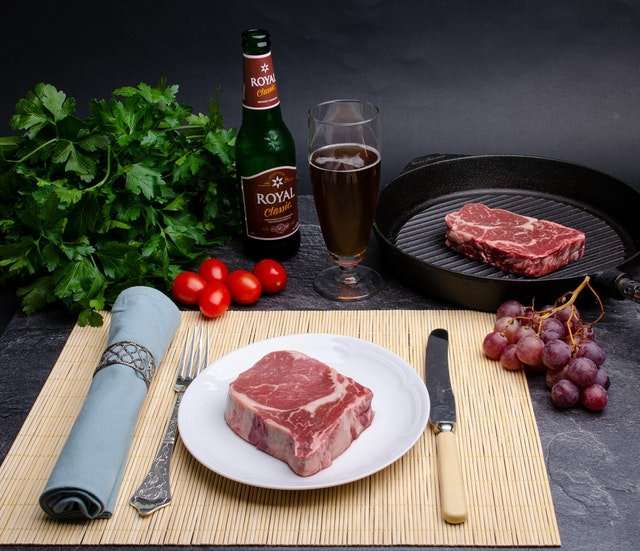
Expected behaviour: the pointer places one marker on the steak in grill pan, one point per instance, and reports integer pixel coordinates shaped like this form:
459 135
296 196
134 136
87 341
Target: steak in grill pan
512 242
410 225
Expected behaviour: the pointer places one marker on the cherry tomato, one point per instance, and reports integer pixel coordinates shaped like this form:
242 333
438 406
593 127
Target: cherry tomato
272 275
214 299
187 286
245 287
213 269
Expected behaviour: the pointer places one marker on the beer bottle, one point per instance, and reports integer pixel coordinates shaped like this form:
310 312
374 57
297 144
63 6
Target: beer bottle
265 158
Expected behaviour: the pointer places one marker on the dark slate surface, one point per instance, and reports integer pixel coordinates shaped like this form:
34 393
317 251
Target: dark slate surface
592 459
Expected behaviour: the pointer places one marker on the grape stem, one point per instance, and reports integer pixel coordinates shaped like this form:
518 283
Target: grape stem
573 296
600 304
568 300
571 317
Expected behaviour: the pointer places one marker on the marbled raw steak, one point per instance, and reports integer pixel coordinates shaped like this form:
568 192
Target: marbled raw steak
298 409
512 242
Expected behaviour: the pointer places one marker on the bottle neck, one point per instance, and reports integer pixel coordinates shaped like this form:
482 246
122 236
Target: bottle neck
260 117
260 91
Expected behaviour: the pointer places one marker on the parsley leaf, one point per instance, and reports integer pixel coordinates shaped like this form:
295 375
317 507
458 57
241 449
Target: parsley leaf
141 179
126 196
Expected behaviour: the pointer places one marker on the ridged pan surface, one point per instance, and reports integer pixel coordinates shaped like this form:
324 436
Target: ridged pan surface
423 234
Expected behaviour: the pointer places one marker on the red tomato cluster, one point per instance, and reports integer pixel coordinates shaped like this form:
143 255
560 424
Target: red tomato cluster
213 287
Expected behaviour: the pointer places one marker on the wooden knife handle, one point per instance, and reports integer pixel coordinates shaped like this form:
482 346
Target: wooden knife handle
452 498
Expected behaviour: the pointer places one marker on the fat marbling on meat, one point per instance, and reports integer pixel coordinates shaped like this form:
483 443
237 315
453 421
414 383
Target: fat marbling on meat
512 242
298 409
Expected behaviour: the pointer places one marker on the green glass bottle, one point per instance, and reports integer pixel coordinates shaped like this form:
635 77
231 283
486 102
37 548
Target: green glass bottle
265 158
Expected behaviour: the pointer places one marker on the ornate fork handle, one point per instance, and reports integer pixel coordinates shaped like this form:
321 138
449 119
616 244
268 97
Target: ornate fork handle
155 490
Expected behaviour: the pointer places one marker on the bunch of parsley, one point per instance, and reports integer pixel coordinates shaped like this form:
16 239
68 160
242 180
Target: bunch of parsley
126 196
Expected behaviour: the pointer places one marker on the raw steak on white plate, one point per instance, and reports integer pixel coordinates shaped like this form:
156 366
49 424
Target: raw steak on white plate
298 409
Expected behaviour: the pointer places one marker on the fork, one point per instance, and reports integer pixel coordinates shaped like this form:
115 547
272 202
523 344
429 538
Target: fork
155 490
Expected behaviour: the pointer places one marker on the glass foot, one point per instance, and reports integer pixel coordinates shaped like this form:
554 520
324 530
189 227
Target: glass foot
343 284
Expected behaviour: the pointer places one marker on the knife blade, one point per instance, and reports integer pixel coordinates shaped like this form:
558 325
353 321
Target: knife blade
443 423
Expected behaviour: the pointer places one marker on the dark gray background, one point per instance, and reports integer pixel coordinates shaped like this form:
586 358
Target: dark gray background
559 79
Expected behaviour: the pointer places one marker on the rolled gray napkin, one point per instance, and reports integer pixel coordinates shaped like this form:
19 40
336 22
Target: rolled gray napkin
85 481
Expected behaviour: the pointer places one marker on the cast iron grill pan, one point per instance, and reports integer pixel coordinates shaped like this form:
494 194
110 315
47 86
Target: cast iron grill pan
411 229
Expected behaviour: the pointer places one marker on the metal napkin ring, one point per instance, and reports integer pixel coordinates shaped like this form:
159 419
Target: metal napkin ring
131 354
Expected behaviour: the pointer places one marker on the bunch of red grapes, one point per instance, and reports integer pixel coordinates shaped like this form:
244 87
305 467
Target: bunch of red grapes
554 341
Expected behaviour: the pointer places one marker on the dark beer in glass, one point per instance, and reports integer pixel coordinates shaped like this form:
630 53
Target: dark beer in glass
344 164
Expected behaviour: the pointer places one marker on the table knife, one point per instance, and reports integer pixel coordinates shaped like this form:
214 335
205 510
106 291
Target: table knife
443 423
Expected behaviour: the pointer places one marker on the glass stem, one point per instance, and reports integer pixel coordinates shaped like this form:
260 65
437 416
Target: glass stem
348 275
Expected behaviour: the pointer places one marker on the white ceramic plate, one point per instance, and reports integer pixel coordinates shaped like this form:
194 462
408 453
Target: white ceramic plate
400 403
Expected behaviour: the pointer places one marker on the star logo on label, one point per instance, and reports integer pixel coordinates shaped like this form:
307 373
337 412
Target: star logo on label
264 67
277 182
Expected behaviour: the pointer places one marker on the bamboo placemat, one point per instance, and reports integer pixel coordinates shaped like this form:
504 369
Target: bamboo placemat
503 467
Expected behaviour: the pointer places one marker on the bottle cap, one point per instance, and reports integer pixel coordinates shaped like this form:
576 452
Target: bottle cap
256 41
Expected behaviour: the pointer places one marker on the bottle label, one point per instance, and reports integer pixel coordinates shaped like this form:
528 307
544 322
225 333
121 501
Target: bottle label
270 203
260 89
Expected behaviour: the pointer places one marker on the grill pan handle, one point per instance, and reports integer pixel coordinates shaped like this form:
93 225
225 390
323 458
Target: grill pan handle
623 285
425 160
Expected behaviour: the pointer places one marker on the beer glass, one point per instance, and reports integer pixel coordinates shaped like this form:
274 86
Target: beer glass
344 163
